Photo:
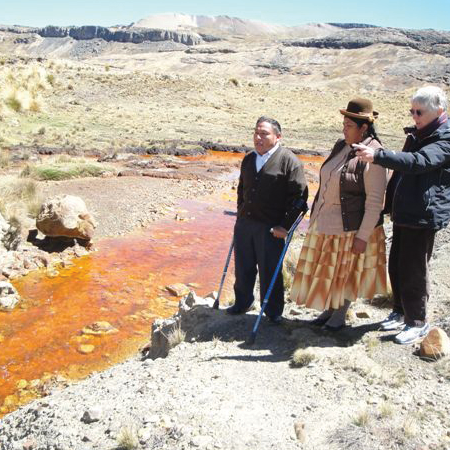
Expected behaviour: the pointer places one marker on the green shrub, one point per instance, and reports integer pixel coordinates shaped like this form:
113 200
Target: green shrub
58 172
14 103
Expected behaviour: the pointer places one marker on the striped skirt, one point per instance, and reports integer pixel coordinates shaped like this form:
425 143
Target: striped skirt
329 273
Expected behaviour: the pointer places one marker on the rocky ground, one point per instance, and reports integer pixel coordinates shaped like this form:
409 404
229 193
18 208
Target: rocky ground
351 390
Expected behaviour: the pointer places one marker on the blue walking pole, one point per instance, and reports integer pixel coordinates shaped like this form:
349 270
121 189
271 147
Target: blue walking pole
252 338
216 303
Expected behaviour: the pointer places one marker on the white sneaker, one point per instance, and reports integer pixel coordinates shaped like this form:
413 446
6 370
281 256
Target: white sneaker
410 334
393 321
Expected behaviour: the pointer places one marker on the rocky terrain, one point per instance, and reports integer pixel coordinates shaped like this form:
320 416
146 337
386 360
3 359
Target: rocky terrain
296 387
106 99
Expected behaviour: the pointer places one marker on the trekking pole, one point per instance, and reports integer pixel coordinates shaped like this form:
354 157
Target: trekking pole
216 303
252 337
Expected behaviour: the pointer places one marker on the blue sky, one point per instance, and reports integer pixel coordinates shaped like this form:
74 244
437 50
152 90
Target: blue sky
394 13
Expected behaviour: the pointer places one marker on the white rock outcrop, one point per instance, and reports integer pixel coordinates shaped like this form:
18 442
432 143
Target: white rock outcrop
9 297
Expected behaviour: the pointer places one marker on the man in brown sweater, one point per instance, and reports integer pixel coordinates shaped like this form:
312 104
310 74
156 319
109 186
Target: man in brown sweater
272 187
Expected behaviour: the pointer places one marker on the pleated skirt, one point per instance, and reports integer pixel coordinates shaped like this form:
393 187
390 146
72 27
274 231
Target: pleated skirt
328 272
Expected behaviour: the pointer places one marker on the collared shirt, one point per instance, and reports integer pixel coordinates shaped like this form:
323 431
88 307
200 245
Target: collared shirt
262 159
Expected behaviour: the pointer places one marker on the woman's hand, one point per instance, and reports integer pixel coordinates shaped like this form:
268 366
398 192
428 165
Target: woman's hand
359 246
364 153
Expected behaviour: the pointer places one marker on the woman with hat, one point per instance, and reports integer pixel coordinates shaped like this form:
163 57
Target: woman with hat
343 255
418 199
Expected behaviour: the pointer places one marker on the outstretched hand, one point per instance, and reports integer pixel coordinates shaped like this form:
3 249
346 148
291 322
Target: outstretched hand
364 153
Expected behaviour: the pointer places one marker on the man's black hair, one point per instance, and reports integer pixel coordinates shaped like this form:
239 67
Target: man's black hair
275 125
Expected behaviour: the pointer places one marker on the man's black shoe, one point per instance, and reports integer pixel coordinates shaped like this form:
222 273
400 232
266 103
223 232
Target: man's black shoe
234 310
275 319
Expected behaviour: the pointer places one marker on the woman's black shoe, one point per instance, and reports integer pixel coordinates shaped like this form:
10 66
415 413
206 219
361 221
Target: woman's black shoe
334 329
319 321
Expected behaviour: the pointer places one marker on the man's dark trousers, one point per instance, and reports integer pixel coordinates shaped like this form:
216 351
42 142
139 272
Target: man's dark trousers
255 248
409 273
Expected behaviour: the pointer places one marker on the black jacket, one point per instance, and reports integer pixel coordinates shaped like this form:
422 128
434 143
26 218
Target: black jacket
418 194
272 194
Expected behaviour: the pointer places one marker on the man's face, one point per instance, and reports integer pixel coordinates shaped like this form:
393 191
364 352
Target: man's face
264 137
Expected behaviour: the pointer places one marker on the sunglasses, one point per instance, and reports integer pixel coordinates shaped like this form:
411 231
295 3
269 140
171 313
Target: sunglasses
418 112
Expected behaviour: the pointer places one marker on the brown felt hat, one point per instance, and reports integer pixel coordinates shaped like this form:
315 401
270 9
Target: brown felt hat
360 108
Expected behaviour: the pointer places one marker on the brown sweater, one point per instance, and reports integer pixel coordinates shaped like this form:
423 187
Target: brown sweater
327 210
271 195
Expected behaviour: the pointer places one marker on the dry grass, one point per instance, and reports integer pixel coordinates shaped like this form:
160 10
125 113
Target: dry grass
127 438
363 418
21 87
5 158
386 410
301 358
176 336
19 198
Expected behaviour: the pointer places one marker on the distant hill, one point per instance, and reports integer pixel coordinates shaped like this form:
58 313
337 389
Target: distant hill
229 25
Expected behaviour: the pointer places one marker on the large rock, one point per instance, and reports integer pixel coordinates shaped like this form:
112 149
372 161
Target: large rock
435 345
65 216
9 297
193 313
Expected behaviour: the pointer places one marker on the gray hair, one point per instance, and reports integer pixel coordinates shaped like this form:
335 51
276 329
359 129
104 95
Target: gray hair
431 97
275 125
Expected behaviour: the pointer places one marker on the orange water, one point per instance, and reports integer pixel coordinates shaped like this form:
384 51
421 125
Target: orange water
122 283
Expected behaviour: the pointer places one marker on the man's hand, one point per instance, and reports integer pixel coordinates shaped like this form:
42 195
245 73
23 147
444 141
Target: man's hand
364 153
359 246
279 232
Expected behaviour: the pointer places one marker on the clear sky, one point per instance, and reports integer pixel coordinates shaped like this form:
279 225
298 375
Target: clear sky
393 13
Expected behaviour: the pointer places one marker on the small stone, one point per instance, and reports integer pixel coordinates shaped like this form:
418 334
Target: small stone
144 435
9 297
178 289
166 422
201 441
100 328
299 428
29 444
363 314
86 349
91 415
435 345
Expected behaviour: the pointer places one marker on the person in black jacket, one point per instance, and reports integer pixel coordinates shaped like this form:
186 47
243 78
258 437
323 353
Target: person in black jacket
271 188
418 200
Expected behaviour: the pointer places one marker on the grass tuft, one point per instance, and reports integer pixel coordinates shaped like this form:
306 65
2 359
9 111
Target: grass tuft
176 336
301 358
127 438
362 419
57 172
